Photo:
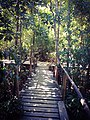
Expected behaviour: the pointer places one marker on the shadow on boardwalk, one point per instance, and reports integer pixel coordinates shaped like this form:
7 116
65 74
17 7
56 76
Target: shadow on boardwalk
40 96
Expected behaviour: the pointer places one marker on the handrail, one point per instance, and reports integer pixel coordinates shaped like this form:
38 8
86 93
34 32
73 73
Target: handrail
82 100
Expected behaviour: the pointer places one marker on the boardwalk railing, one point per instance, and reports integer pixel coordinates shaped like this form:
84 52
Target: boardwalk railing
66 78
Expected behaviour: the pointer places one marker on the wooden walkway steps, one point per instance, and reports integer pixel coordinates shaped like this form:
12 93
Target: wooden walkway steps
41 97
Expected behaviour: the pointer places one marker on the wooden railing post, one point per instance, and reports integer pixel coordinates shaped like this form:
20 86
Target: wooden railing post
55 72
16 81
64 85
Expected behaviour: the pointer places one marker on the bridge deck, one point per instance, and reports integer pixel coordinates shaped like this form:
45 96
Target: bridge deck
41 96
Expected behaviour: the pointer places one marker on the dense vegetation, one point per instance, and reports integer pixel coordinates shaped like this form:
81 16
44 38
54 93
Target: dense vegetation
35 29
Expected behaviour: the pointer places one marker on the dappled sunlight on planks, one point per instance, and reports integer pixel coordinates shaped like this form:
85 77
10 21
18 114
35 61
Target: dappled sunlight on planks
40 96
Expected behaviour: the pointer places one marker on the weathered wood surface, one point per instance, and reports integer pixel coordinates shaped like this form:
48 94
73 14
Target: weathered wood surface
40 96
62 111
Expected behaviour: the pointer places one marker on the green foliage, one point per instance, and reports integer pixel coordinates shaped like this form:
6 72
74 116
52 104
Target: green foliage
74 108
36 20
82 7
82 56
10 109
5 28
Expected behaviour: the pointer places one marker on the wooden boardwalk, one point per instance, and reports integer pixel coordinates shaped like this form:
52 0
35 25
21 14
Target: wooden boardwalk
41 97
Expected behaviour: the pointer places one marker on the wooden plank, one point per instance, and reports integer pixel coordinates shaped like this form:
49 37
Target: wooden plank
39 92
42 88
62 111
38 101
43 115
40 109
40 105
48 83
38 118
40 98
31 82
44 81
42 95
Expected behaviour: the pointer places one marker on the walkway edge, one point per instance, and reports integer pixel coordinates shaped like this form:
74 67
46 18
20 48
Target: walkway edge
62 111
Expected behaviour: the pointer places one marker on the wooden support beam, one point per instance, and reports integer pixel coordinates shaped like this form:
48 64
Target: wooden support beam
62 111
82 100
64 86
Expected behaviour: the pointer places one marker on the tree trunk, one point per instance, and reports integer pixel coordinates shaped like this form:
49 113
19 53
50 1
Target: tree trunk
69 42
30 58
68 37
54 21
33 50
56 31
17 20
16 82
20 33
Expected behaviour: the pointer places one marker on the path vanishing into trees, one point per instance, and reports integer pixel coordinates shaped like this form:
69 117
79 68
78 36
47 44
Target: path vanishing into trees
56 32
41 97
